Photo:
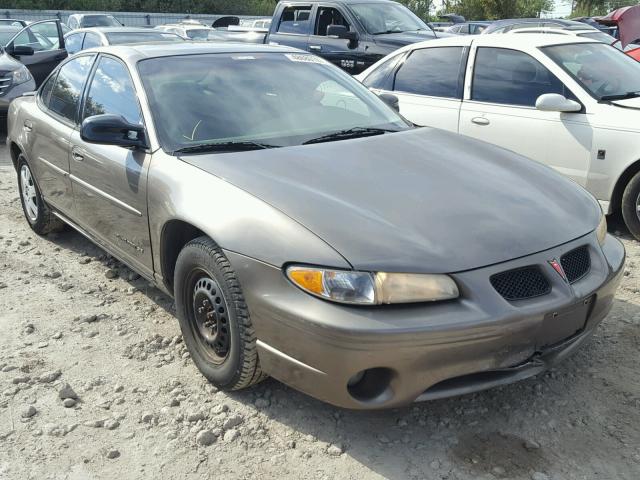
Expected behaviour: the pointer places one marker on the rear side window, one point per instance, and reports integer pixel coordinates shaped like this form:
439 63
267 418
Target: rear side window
45 90
295 20
436 72
111 91
91 40
67 89
512 77
380 78
73 43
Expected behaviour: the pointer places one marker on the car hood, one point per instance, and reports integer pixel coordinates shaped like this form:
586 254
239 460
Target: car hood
407 38
8 63
423 200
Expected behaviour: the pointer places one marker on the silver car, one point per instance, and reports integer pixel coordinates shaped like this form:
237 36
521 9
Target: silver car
308 232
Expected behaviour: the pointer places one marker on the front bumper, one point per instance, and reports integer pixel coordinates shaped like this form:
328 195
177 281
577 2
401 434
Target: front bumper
426 351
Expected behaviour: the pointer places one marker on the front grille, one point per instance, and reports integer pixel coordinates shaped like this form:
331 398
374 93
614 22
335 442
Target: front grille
521 283
5 82
576 263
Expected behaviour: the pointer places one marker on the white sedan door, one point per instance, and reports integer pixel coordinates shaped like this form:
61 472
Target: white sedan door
499 108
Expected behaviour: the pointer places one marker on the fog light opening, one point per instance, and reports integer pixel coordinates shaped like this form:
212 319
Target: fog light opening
368 385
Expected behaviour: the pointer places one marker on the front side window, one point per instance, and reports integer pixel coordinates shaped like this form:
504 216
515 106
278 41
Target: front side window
73 43
67 90
111 91
326 17
379 18
436 72
214 98
603 71
91 40
512 77
35 37
295 20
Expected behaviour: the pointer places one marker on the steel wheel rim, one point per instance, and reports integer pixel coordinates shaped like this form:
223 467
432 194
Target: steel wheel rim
29 195
209 317
638 206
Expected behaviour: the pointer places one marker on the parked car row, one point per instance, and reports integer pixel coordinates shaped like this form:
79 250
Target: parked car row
309 232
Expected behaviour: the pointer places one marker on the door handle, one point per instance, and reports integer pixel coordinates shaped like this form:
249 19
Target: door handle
28 125
77 156
480 121
315 48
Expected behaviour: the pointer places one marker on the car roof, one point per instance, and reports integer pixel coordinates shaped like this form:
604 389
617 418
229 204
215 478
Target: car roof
135 53
114 30
520 41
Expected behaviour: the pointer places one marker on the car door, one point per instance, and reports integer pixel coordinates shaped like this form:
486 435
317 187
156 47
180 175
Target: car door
499 108
293 27
46 54
50 127
338 51
429 84
110 182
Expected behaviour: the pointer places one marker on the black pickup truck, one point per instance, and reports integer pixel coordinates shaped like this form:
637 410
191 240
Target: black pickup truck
353 34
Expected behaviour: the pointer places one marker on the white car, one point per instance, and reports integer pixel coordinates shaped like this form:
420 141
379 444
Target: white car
565 101
191 30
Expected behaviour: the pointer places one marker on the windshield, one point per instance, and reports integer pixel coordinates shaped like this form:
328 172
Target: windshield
198 33
602 70
99 21
122 38
386 17
215 98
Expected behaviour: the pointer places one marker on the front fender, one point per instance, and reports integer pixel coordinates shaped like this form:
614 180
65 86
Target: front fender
236 220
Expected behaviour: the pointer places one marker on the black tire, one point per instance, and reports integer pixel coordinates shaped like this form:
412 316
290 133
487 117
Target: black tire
41 220
221 340
631 206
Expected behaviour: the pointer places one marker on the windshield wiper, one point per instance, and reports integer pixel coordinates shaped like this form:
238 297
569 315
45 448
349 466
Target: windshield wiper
224 147
354 132
390 31
621 96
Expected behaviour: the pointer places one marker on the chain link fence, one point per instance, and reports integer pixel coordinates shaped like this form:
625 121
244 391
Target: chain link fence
130 19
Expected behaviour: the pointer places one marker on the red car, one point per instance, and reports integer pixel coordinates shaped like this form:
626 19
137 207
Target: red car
627 21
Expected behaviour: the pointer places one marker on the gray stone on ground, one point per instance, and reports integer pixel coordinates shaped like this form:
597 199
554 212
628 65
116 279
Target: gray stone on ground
67 392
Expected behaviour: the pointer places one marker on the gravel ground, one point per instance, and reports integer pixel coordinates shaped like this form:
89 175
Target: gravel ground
95 382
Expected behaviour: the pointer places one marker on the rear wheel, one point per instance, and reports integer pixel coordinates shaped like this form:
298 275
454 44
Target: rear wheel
36 211
214 318
631 206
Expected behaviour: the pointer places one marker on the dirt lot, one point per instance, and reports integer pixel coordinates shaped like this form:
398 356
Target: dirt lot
95 383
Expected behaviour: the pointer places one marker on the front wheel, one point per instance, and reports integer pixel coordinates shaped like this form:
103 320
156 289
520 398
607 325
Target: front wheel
631 206
214 318
36 211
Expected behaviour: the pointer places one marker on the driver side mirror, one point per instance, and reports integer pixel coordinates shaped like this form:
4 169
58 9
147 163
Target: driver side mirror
110 129
340 31
390 100
554 102
19 50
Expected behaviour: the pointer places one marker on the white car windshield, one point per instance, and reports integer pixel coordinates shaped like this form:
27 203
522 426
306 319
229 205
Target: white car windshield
604 71
235 98
379 18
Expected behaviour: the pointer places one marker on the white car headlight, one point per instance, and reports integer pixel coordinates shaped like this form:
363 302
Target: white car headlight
21 75
601 231
365 288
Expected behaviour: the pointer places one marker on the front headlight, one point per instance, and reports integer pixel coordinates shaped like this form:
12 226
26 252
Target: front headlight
365 288
21 75
601 231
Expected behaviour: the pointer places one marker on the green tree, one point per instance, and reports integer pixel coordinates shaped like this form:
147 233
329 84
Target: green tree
497 9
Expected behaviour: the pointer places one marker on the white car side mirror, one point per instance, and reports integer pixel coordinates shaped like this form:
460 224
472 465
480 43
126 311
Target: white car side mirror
554 102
